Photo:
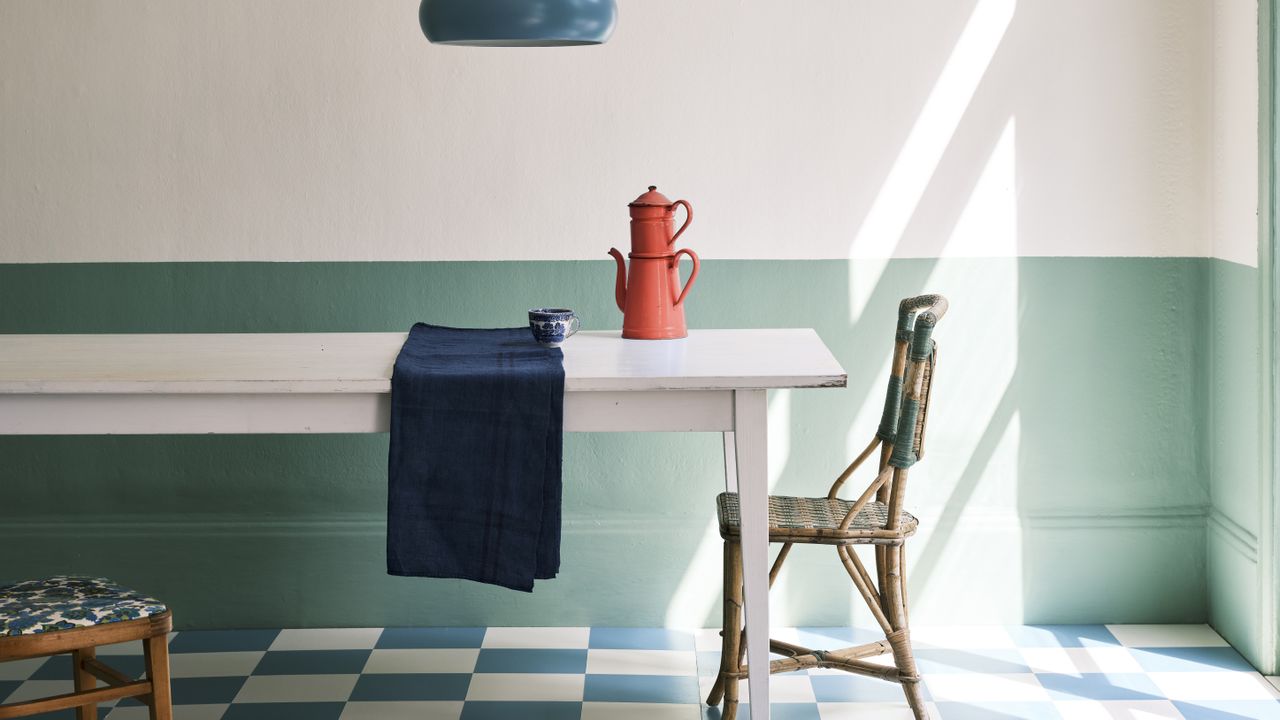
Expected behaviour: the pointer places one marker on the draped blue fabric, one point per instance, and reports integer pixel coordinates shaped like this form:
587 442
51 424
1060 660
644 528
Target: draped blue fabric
474 485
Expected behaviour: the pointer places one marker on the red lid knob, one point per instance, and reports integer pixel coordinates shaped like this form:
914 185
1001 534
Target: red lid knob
651 198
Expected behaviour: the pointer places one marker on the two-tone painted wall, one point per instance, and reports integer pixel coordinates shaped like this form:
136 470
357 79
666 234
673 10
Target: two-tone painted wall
1241 550
316 165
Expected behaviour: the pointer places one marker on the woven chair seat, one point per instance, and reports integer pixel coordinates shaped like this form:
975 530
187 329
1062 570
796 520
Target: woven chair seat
817 520
68 602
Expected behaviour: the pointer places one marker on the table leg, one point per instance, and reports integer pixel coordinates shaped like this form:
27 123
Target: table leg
750 423
730 463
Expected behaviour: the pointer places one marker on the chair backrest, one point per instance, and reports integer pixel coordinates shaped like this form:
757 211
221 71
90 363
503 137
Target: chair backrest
917 318
906 403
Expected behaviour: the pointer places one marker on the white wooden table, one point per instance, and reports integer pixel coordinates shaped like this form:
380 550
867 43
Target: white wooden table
712 381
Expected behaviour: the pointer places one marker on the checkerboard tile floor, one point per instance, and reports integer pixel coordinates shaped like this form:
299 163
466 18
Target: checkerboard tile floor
1131 672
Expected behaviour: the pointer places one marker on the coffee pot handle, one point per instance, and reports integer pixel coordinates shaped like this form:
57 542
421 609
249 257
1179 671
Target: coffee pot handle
688 209
692 276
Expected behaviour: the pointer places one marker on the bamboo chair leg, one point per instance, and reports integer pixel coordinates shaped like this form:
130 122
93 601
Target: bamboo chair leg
84 680
726 685
156 652
900 639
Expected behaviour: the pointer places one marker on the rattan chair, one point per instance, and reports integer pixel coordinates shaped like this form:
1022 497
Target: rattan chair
68 614
875 518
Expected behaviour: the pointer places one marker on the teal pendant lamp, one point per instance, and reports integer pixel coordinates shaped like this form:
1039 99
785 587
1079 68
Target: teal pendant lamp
518 23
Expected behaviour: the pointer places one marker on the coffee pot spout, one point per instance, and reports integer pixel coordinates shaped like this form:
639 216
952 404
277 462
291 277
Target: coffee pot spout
620 288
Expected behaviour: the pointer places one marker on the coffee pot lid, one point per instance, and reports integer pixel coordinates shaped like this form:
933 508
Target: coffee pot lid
651 198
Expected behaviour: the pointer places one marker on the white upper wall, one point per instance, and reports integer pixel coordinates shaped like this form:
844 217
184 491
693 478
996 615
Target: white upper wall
1235 131
331 130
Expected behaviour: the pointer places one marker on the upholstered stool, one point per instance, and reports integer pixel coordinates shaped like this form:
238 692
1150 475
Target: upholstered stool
75 615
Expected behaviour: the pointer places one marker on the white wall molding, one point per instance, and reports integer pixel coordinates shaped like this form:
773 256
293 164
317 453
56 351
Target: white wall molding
637 523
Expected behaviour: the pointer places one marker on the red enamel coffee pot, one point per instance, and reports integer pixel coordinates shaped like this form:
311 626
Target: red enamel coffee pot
650 296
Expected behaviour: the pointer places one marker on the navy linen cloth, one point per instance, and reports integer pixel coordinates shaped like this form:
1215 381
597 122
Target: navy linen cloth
477 425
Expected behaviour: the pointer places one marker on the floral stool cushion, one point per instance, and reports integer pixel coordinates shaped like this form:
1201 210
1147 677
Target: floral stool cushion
67 602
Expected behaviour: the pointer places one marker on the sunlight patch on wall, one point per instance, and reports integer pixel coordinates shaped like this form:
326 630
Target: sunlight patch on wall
698 594
918 159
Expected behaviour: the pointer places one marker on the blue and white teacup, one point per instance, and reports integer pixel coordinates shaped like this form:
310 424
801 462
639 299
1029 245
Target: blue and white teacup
552 326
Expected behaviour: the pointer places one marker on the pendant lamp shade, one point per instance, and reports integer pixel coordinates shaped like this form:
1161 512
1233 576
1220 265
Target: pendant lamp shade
517 23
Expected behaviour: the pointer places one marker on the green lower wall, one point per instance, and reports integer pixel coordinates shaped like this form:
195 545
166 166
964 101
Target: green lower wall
1064 479
1236 471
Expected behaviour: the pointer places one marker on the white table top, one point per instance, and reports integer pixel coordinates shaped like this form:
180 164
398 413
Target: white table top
361 362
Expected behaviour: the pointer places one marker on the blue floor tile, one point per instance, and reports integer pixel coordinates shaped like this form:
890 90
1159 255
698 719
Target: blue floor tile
412 686
980 661
200 691
312 662
855 688
998 711
522 710
7 688
67 714
1100 686
284 711
1230 710
1190 659
502 660
222 640
640 639
413 638
1067 636
205 690
58 667
641 689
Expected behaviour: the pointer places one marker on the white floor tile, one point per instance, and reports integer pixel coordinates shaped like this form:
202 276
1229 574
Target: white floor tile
434 660
11 670
1077 661
213 664
297 688
36 689
548 687
552 638
327 639
1049 660
641 662
785 689
782 689
707 639
870 711
1166 636
974 687
125 648
180 712
1117 710
402 711
962 637
1212 685
639 711
1274 682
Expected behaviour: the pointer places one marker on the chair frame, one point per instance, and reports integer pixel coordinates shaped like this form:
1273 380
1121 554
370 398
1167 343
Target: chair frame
900 439
82 643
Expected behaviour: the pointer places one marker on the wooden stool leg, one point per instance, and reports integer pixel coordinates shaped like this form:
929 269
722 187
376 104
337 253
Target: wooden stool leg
900 638
84 680
156 650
